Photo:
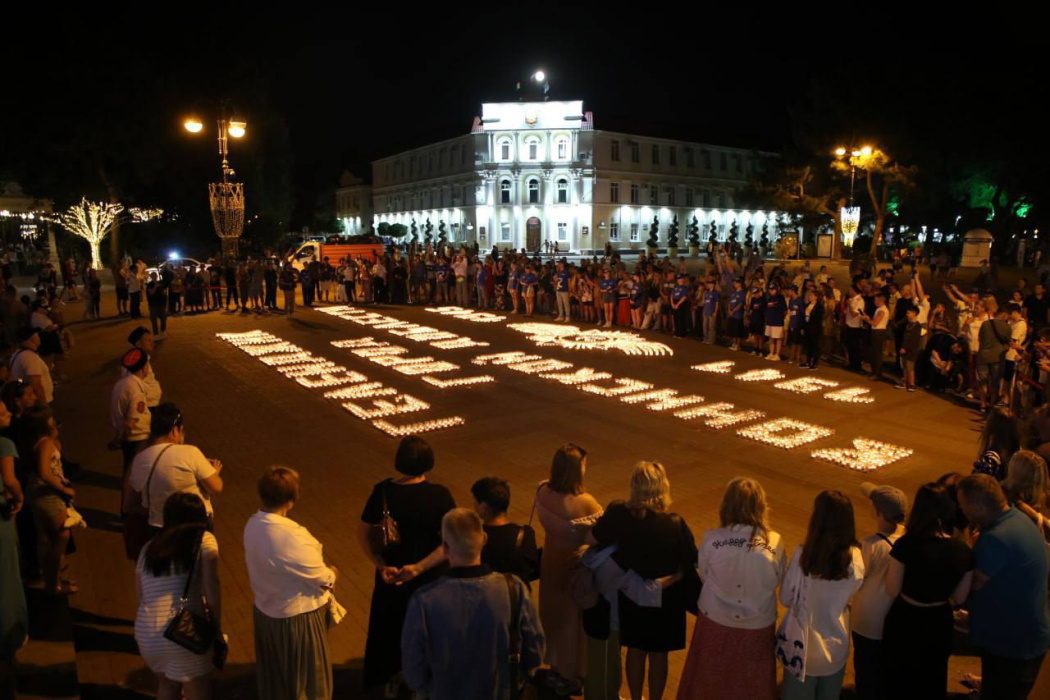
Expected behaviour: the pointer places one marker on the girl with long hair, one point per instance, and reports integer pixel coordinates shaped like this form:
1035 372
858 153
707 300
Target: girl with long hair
1000 438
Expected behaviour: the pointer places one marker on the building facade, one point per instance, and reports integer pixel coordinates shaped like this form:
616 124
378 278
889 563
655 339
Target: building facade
353 204
533 172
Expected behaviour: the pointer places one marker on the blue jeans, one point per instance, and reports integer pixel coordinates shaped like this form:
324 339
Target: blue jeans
815 687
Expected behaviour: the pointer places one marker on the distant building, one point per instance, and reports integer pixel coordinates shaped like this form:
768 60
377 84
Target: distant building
531 172
353 204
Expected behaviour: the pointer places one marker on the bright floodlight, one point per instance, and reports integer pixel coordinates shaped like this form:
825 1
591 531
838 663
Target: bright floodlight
866 151
856 154
173 255
193 125
540 76
237 128
840 151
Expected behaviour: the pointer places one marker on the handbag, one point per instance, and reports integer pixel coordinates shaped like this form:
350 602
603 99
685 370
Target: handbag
792 636
192 632
385 533
137 530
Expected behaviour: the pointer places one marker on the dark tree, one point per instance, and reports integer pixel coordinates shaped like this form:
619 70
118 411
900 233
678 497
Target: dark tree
733 230
750 237
694 233
415 232
428 230
672 234
442 235
654 233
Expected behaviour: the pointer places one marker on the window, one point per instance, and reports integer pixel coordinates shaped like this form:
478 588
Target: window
614 192
707 159
636 153
615 146
534 149
462 194
504 150
722 162
634 193
563 191
563 232
672 155
689 196
504 232
707 198
563 149
737 163
504 192
634 232
614 231
654 194
690 157
670 196
534 191
656 154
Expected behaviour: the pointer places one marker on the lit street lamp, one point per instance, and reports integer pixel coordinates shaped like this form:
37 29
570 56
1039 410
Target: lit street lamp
849 217
226 198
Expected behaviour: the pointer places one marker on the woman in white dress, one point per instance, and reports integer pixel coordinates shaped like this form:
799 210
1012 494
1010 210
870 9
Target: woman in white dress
184 545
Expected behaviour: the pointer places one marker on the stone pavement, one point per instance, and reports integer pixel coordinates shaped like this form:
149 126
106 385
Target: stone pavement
246 414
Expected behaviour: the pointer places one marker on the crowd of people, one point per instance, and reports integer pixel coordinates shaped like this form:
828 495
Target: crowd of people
454 610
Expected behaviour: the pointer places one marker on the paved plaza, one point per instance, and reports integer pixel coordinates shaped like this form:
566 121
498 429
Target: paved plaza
248 414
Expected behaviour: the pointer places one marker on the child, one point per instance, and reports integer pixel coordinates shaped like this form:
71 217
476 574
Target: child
737 303
776 311
711 301
910 349
795 318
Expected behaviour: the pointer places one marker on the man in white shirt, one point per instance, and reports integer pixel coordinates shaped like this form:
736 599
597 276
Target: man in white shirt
855 328
170 466
879 334
128 413
289 579
26 364
922 303
871 603
1018 335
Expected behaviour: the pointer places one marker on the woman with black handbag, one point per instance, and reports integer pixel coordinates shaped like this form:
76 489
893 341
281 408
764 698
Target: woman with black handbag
400 532
178 573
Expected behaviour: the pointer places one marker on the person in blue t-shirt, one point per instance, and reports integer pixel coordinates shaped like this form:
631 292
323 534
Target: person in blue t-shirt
737 306
1009 616
529 282
481 280
441 280
795 318
756 319
637 299
711 300
561 291
608 287
514 286
776 310
680 306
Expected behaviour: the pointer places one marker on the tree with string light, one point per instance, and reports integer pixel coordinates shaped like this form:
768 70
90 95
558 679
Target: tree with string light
93 221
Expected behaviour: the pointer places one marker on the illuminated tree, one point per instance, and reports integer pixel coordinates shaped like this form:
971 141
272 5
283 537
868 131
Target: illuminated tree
93 221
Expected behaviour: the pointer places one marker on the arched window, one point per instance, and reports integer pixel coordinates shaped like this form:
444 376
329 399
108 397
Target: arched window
563 191
504 192
504 150
562 148
532 148
534 191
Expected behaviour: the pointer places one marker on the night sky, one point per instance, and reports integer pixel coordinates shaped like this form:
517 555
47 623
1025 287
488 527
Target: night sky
350 86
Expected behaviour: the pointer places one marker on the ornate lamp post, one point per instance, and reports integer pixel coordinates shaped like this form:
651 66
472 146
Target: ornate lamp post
226 198
849 217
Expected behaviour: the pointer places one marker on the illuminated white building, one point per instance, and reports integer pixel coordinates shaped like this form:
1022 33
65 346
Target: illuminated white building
353 204
531 172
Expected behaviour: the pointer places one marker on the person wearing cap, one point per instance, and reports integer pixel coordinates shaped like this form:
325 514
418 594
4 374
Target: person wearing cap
872 602
929 572
776 310
128 413
168 465
680 306
142 339
26 364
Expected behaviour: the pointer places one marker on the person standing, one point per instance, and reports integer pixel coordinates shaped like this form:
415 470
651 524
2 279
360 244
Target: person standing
476 614
142 339
929 572
775 310
14 615
292 590
120 282
401 568
812 327
157 301
711 301
823 575
741 563
287 282
654 543
509 548
561 291
26 364
1009 617
567 513
854 329
229 272
994 338
183 550
879 334
128 412
872 602
135 290
680 306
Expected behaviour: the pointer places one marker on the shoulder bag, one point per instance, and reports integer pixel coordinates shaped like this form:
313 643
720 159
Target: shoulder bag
192 632
793 636
137 530
385 533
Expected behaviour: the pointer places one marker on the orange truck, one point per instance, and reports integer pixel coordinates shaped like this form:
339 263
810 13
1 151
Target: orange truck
315 250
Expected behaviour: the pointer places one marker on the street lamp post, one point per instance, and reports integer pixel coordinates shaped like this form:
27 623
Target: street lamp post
226 198
849 217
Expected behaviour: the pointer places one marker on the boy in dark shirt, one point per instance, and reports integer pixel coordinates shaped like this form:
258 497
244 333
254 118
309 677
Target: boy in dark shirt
910 348
509 548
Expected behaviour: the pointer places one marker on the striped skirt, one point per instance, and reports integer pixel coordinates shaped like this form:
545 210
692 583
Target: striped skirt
291 656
